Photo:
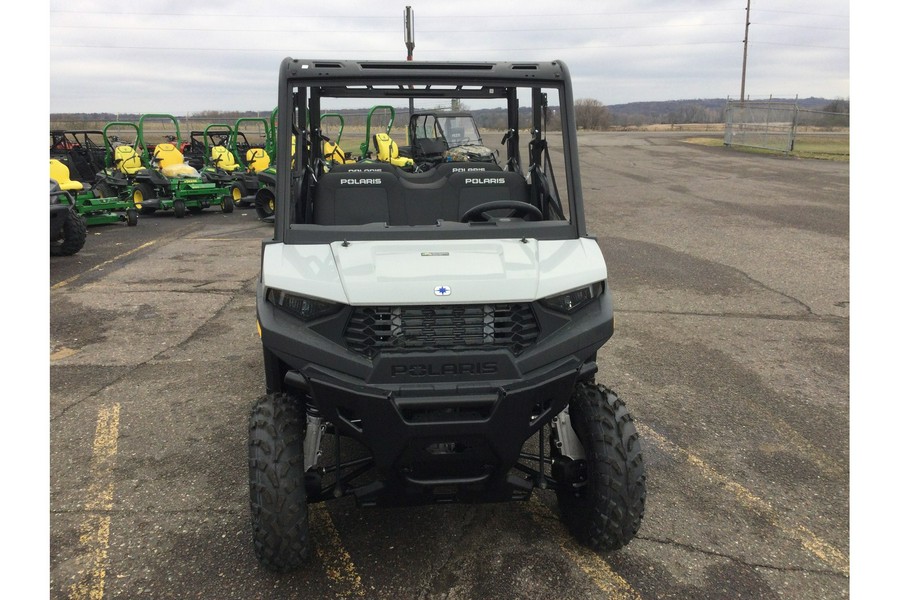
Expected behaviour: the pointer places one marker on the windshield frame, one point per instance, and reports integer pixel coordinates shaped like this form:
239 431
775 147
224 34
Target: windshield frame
304 83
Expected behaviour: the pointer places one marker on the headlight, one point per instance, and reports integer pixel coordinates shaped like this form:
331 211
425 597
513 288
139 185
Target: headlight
569 302
301 307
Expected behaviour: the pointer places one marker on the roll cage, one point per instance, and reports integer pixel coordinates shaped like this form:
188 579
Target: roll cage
304 83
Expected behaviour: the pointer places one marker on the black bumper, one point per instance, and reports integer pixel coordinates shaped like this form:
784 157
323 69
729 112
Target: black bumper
441 425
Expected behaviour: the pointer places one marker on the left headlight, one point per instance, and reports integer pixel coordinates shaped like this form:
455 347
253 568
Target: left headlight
302 307
569 302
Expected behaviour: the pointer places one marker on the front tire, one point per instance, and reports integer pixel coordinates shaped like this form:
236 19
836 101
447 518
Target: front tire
278 508
604 508
227 205
179 208
72 237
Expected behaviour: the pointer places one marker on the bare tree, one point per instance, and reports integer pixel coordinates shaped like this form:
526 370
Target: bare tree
591 114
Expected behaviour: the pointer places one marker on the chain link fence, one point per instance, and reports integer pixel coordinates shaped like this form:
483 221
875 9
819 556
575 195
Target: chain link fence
785 127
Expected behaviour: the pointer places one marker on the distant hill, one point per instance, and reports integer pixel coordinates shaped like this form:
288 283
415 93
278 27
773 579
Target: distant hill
710 110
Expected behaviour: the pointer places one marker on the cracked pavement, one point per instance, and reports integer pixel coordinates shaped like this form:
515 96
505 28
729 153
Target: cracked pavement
729 274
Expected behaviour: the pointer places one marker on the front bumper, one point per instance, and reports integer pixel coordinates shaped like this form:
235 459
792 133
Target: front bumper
444 425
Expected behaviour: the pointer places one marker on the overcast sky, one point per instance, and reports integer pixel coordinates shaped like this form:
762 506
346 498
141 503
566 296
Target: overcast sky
181 57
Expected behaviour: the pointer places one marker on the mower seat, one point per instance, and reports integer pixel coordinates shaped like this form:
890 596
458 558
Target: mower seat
257 160
127 160
171 161
388 151
223 159
334 153
60 172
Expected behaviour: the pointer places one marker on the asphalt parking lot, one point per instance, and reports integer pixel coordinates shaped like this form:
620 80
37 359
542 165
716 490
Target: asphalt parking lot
730 275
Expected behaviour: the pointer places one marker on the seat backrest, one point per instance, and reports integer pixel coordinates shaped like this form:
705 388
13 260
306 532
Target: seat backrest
60 172
386 150
167 154
334 153
171 161
257 160
364 167
127 160
448 168
222 158
356 198
472 189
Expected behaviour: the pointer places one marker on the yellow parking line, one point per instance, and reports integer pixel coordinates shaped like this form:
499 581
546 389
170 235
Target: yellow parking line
339 566
94 538
592 564
818 547
66 282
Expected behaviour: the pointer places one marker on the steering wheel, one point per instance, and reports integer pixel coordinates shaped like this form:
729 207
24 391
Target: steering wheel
520 210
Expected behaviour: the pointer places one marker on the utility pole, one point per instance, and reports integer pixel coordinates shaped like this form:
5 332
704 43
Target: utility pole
409 35
409 32
746 37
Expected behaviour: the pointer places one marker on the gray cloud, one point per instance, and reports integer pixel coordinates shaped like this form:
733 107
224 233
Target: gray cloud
180 58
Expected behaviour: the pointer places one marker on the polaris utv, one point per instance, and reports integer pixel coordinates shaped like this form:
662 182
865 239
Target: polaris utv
431 337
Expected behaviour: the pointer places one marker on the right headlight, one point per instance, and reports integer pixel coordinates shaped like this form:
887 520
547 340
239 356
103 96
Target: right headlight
571 301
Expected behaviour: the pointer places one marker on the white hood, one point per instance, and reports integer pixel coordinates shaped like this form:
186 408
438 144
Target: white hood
424 272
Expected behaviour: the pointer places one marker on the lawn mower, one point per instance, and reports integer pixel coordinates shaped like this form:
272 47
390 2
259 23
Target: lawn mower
97 205
166 182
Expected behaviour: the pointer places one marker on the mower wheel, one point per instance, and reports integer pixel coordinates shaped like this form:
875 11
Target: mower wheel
104 190
278 507
131 217
141 193
265 203
227 204
179 208
238 192
604 509
72 236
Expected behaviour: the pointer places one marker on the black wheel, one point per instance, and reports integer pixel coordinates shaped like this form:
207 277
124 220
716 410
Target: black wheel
104 190
278 508
238 191
604 505
131 217
265 203
140 193
227 204
179 208
72 237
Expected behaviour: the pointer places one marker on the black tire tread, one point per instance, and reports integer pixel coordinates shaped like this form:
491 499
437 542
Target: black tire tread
606 513
278 507
74 235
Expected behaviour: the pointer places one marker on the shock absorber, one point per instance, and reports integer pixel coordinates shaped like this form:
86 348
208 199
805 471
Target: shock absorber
312 441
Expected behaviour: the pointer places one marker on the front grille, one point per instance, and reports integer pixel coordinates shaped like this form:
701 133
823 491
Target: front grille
441 327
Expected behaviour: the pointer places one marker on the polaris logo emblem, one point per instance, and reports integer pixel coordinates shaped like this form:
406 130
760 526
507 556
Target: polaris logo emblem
446 369
485 181
466 169
442 290
360 181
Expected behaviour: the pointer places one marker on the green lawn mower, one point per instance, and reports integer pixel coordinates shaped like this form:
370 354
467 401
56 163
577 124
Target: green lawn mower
167 182
68 232
254 170
98 204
